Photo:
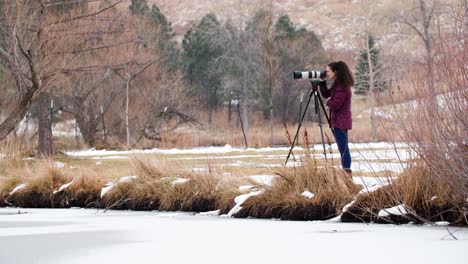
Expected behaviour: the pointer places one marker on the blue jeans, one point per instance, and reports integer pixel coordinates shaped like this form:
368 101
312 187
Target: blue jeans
341 137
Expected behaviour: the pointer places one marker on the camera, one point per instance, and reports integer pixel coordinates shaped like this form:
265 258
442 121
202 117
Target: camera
309 74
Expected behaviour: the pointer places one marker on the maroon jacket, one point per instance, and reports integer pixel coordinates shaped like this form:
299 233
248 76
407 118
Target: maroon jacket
339 103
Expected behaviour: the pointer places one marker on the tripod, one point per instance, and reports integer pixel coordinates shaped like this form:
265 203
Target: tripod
317 99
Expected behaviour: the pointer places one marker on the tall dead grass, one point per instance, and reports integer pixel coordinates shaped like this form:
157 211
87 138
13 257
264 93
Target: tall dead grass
162 186
39 186
306 192
83 191
434 122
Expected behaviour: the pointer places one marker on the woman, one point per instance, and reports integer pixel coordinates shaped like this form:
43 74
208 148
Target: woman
339 102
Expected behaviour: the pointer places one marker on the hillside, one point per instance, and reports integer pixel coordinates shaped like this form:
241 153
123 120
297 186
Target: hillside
339 24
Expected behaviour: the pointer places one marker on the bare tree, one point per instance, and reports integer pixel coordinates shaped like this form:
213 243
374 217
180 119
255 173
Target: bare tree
39 48
368 13
419 18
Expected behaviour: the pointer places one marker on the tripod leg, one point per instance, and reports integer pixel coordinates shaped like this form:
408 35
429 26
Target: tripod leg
324 110
299 127
317 111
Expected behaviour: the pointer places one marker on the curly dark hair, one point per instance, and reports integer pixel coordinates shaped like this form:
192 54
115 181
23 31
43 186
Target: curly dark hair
343 74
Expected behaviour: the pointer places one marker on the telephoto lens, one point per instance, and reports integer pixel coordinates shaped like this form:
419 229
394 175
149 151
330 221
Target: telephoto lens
309 74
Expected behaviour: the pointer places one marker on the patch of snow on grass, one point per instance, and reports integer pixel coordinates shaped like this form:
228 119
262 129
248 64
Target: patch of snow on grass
17 188
308 194
226 149
179 181
364 167
239 200
245 187
110 158
264 179
111 185
372 184
396 210
58 164
63 187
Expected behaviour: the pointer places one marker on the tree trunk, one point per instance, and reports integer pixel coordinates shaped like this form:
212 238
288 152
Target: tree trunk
230 111
371 89
127 127
45 147
270 106
18 113
88 129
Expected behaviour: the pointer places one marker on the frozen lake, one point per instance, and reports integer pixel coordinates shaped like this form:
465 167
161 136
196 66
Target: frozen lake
92 236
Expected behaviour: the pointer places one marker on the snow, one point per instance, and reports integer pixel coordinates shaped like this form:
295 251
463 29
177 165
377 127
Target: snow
225 149
264 179
111 185
58 164
179 181
239 200
378 167
396 210
370 184
308 194
110 158
17 188
90 236
243 188
63 187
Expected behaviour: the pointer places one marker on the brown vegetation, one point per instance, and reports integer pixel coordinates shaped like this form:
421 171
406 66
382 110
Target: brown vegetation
331 188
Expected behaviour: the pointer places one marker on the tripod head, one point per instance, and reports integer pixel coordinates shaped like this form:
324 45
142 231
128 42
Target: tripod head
315 84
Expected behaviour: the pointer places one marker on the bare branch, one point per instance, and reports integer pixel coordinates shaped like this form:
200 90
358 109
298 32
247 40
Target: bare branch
90 14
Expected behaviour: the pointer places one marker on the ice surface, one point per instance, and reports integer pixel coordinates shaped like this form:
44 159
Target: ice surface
90 236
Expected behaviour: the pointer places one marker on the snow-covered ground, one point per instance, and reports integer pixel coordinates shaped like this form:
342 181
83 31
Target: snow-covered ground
367 157
91 236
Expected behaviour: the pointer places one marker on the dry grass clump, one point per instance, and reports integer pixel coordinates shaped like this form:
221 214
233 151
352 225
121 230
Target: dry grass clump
228 190
367 205
200 194
7 184
429 197
149 169
84 191
136 194
426 198
331 189
143 192
39 189
163 186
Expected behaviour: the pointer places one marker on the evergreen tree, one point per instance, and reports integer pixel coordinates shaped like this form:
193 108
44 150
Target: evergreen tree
160 34
202 49
139 7
164 38
362 70
296 49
